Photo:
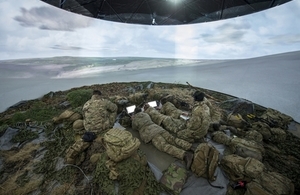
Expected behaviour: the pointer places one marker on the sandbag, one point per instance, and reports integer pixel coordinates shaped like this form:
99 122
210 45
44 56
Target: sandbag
232 191
120 144
206 160
78 125
246 148
254 188
276 118
254 136
236 120
174 178
238 168
278 135
270 183
262 128
269 134
276 183
220 137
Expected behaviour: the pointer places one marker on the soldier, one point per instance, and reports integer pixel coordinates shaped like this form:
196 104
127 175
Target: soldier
169 123
169 109
160 138
200 119
99 114
242 147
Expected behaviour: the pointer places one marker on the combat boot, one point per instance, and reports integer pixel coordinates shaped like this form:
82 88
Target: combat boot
188 159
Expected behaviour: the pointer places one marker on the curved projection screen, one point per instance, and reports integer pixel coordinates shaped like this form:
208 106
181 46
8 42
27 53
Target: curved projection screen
164 12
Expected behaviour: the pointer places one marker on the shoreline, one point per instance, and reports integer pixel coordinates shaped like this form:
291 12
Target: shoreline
270 81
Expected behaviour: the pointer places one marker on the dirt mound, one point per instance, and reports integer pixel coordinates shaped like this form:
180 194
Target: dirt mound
36 164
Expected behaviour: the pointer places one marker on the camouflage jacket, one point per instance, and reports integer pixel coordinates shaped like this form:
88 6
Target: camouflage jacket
170 110
200 118
215 114
146 127
99 114
155 115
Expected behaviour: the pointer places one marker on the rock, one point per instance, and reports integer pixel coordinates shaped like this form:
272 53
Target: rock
150 85
20 103
65 104
5 139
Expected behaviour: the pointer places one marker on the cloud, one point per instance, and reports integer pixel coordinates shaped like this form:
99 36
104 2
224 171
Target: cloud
50 18
284 39
67 34
65 47
229 32
233 26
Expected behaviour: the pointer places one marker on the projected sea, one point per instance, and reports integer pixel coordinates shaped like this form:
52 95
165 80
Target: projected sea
271 81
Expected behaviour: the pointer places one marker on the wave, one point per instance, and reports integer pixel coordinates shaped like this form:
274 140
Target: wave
81 67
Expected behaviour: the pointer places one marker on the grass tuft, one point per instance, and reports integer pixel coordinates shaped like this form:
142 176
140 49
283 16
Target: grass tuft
79 97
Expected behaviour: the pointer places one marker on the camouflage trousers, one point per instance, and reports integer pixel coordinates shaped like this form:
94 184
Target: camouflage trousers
190 135
169 144
75 150
173 125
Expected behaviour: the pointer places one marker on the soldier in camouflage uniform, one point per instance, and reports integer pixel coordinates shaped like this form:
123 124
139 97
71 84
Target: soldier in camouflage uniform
160 138
239 146
99 114
167 122
169 109
199 121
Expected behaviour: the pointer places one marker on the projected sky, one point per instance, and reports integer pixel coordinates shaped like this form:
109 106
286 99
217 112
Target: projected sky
34 29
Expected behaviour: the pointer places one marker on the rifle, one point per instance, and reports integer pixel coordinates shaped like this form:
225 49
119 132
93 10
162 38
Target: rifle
255 118
209 96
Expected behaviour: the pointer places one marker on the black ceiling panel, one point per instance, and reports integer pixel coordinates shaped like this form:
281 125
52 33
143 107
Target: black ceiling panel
164 12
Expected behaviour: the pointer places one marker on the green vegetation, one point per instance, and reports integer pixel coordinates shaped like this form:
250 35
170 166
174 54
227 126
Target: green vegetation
39 111
64 138
132 174
19 117
23 179
24 135
66 174
79 97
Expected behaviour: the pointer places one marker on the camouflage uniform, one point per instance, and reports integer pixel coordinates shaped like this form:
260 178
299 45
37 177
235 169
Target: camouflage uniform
215 113
161 139
169 109
169 144
239 146
199 122
73 152
167 122
99 114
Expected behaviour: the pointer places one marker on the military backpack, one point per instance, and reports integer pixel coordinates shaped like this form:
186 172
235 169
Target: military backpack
206 160
120 144
270 183
174 178
246 148
238 168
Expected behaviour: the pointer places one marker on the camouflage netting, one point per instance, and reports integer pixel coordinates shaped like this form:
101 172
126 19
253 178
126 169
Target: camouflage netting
39 168
133 177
